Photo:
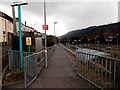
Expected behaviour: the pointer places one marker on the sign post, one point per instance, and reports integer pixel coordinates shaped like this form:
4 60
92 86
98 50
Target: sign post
19 3
28 42
45 28
20 35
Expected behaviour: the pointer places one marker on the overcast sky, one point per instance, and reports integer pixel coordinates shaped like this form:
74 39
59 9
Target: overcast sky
69 15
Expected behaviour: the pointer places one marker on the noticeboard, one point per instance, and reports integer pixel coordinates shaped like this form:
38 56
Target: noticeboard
28 40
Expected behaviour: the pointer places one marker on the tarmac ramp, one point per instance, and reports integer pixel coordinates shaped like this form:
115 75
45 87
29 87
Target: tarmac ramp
60 73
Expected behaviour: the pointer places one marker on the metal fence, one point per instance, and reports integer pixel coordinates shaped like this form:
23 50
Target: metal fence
33 64
30 68
103 72
14 58
50 50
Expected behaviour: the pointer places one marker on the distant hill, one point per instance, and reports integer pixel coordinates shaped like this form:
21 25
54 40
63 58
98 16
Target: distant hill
92 32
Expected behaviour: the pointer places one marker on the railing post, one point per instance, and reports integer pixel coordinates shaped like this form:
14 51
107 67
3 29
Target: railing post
76 61
115 73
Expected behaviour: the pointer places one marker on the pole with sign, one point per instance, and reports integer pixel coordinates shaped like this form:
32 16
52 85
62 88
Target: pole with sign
28 43
19 3
45 27
20 35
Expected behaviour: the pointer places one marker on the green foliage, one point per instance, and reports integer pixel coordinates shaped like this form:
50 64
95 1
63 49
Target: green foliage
17 72
50 40
115 53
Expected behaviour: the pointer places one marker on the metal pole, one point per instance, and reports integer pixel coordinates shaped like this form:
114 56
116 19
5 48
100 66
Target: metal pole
29 53
45 34
14 21
117 41
20 35
117 46
54 33
98 45
95 41
25 29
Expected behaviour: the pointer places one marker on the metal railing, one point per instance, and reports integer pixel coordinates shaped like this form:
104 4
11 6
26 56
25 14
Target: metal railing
33 64
103 72
50 50
31 68
14 58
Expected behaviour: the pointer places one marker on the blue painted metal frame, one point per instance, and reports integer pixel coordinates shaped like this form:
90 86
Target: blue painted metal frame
20 36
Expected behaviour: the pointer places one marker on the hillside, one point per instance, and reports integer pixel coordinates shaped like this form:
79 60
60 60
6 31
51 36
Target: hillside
103 31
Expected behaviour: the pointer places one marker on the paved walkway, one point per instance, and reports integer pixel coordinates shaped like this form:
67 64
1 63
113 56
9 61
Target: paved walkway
59 73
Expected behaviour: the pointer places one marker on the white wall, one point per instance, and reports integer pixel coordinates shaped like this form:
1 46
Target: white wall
24 28
6 26
1 32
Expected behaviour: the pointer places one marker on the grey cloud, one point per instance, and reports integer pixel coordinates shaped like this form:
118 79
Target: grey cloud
76 14
87 14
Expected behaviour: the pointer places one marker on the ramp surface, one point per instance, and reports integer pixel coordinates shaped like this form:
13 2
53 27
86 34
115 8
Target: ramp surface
60 73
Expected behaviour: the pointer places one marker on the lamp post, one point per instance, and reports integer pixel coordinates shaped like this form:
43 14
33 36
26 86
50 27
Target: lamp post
109 39
95 41
117 41
20 29
98 44
108 42
89 41
75 41
54 32
45 35
117 44
14 21
69 41
79 41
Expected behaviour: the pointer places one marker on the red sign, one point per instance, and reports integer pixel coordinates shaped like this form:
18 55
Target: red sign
45 27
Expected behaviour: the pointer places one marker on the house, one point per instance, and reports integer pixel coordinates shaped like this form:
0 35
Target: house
6 27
